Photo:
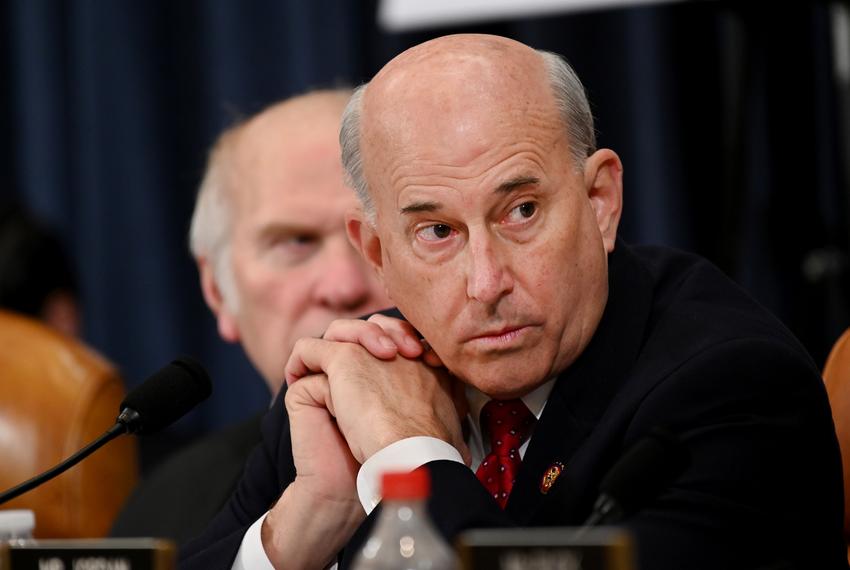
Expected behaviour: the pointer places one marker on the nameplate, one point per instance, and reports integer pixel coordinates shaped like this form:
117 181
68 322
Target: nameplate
554 548
105 554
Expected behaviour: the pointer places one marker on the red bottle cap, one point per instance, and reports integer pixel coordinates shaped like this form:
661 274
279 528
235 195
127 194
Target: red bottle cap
411 485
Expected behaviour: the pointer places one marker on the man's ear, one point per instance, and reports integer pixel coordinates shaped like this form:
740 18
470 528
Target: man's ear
364 238
603 179
226 320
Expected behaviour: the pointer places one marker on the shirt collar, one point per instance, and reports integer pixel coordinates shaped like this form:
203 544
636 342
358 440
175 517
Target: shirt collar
535 400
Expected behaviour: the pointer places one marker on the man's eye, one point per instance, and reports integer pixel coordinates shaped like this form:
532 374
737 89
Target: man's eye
300 240
296 244
434 232
522 212
294 248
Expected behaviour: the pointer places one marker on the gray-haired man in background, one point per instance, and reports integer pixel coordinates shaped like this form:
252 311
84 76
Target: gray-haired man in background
268 234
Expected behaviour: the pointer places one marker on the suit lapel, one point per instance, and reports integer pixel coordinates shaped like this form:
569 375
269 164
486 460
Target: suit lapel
583 391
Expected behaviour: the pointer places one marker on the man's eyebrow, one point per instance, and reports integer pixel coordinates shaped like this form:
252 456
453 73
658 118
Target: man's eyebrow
513 184
282 230
503 188
421 207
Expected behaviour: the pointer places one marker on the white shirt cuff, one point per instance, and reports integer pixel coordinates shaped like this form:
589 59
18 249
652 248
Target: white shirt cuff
404 455
252 555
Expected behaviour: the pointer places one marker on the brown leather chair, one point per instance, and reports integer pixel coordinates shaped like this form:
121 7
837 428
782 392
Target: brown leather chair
57 395
836 375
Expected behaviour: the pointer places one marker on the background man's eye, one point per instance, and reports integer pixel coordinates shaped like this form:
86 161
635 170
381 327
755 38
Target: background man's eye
302 239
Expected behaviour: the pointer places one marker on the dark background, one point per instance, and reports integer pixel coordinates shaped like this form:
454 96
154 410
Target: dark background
731 119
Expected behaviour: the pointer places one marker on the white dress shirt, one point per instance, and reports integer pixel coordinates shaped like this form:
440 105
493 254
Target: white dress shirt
403 455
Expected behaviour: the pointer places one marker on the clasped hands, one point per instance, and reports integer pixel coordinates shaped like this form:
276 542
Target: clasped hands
374 383
361 387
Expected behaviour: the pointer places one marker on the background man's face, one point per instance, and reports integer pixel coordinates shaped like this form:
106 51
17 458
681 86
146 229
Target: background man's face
293 266
489 243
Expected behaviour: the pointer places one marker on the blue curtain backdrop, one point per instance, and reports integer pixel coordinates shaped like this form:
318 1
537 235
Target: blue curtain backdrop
731 121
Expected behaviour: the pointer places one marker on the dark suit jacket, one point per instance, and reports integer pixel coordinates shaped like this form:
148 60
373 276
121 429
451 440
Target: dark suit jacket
679 346
183 494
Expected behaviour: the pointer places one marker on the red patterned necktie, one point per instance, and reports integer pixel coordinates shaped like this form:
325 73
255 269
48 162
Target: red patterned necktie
508 422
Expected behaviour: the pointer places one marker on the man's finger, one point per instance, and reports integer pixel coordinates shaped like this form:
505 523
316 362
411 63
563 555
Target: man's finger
313 390
367 334
309 355
402 333
431 359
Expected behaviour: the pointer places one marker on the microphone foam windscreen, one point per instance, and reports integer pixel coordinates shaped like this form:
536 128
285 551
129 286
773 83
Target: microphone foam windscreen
645 469
168 394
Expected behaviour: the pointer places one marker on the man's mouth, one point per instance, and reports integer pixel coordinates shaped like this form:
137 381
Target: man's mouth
504 337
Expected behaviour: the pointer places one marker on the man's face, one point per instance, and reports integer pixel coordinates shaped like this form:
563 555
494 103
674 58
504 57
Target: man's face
293 266
488 237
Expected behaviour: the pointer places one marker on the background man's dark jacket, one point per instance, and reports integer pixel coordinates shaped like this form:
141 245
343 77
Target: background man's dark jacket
182 495
679 346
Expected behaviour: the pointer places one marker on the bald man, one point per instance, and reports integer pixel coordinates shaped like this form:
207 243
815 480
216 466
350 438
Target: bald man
491 218
268 234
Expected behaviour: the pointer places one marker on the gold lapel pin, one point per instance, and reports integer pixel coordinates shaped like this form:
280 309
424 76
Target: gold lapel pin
550 476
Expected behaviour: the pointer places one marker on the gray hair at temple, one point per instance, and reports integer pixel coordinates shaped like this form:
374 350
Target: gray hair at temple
209 234
570 97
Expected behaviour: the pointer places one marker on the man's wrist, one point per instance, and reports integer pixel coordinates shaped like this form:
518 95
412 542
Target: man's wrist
301 531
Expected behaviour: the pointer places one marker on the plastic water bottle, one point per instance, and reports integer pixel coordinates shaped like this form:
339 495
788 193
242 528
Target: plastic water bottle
16 526
404 537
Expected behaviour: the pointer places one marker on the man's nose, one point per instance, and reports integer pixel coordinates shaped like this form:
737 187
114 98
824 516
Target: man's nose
489 278
344 283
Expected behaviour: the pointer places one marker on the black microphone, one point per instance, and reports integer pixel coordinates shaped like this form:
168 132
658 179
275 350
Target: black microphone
165 397
647 468
158 402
